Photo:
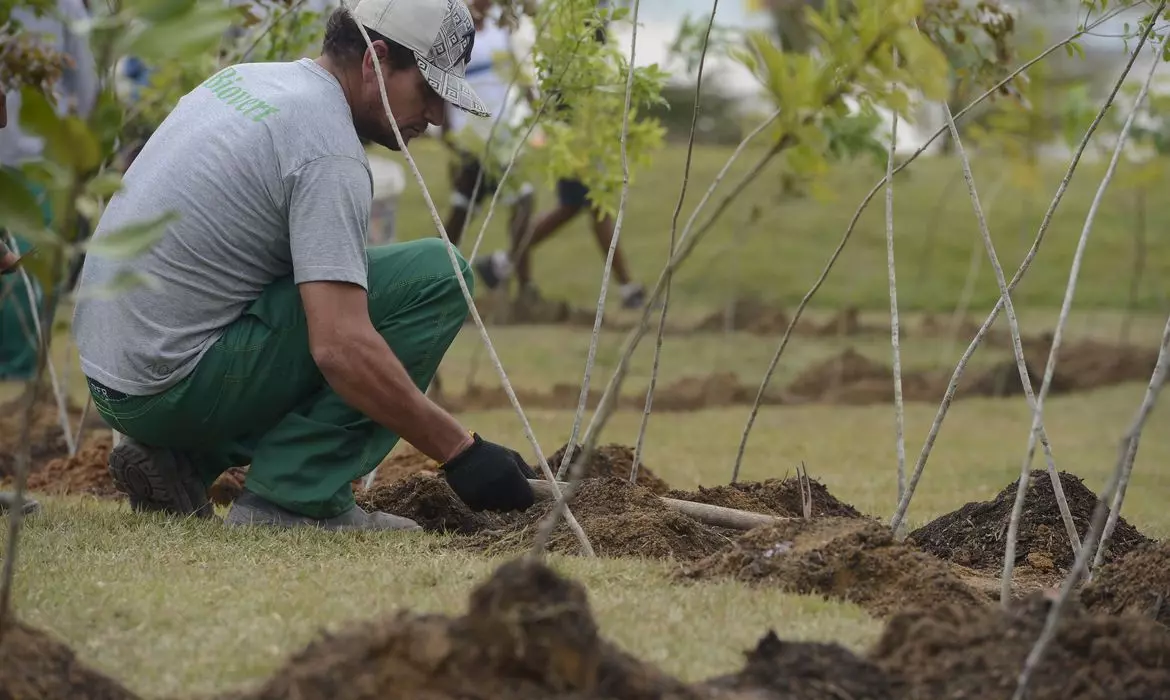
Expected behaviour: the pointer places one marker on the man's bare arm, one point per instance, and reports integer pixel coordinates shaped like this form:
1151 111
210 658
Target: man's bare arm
360 366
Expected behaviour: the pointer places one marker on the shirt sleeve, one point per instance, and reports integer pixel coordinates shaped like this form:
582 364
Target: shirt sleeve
328 219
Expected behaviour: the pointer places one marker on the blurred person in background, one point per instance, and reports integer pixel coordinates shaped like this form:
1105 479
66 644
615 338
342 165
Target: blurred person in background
468 175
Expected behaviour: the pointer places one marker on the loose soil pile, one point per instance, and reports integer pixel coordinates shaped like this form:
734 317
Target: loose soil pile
966 652
753 315
1137 583
781 497
975 535
87 472
35 665
609 460
848 559
621 519
46 442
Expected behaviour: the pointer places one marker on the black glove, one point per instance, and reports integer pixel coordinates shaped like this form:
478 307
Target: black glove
487 476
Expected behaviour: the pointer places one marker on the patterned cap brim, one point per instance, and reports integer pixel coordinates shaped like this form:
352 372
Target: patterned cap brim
452 88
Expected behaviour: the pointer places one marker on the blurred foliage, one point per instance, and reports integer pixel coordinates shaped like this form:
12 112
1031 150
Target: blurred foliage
863 61
75 173
578 76
267 30
24 60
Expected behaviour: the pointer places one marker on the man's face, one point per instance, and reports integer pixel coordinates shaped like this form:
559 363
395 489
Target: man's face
414 103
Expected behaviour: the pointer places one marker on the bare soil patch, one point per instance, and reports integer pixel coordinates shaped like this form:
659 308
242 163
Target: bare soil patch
976 535
86 472
1137 583
34 664
47 441
973 652
849 559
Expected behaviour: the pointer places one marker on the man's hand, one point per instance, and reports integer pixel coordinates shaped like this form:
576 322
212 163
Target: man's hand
487 476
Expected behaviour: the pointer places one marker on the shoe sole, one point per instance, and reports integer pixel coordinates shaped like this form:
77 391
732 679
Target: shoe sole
160 482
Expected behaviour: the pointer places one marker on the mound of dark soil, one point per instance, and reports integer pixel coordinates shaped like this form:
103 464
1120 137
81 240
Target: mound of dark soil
848 559
86 472
975 535
748 314
964 652
847 368
528 633
427 500
621 520
610 460
629 521
1137 583
35 665
780 497
807 671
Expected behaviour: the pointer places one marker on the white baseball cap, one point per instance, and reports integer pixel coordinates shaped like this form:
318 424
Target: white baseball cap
439 32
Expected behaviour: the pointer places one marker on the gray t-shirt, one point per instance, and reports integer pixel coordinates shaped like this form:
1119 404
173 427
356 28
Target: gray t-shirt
268 176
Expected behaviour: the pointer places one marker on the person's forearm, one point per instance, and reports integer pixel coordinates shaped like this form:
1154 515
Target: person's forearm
367 375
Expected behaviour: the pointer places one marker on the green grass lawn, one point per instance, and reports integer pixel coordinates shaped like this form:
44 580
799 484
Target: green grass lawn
779 256
174 607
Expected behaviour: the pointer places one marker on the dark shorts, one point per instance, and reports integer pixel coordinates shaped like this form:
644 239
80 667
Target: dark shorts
468 173
572 193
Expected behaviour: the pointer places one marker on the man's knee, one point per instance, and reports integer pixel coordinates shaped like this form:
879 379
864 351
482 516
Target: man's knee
427 258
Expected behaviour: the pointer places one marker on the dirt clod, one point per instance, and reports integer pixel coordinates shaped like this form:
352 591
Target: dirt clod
780 497
86 472
36 665
965 652
807 671
1137 583
975 535
848 559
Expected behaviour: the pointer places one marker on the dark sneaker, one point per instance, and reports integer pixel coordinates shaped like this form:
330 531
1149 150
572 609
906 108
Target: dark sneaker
633 297
158 480
250 509
486 269
8 502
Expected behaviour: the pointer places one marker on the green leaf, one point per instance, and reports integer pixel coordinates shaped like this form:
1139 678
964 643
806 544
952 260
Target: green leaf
159 10
105 184
133 240
186 35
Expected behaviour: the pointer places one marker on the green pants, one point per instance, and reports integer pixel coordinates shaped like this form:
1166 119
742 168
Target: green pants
256 397
18 346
